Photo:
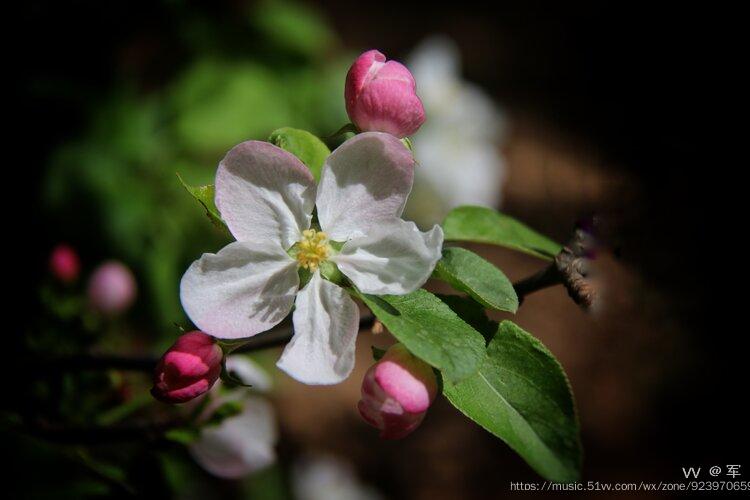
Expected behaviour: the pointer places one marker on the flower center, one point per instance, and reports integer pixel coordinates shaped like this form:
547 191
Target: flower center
312 249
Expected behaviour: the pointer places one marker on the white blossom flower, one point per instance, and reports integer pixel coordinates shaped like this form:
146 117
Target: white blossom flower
266 197
457 148
244 443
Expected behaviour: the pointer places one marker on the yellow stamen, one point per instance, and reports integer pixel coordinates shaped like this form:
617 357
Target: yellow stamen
313 249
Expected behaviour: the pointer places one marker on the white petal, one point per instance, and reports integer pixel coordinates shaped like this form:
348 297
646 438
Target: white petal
248 372
264 193
243 290
394 258
326 322
241 444
366 179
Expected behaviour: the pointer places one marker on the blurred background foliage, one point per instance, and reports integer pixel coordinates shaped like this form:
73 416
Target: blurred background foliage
281 65
611 109
111 191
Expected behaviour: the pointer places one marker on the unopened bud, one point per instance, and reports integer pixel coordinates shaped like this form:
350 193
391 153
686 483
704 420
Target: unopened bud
396 393
188 369
381 96
64 263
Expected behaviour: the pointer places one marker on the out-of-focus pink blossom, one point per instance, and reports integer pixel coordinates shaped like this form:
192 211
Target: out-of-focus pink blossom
396 393
381 96
245 442
64 263
188 369
241 444
112 288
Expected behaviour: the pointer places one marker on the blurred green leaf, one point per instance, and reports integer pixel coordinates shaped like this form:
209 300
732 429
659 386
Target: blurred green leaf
269 483
112 473
521 395
431 331
119 412
485 225
220 104
468 272
308 148
183 435
294 27
315 95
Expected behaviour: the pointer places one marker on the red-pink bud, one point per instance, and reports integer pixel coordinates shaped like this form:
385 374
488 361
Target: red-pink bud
112 288
381 96
64 263
396 393
188 369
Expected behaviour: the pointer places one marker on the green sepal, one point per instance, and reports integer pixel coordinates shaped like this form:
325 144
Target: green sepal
205 196
307 147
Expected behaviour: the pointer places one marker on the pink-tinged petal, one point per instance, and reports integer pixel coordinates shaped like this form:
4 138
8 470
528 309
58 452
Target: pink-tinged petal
264 194
326 322
241 291
362 71
184 394
381 96
365 180
407 379
395 257
241 444
389 106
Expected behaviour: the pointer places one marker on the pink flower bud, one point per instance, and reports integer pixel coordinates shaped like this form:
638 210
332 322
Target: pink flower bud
188 369
381 96
396 392
64 263
112 288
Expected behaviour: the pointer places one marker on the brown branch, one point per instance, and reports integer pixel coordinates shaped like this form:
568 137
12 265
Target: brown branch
92 435
275 337
95 362
569 268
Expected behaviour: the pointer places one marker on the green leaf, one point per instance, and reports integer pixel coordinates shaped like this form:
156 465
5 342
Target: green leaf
182 435
431 331
521 395
205 196
485 225
304 145
473 313
468 272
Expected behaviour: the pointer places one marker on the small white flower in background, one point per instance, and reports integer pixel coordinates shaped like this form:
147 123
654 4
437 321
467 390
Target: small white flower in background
327 478
266 197
244 443
458 146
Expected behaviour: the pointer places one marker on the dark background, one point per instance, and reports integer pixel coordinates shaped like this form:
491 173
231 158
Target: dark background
636 87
